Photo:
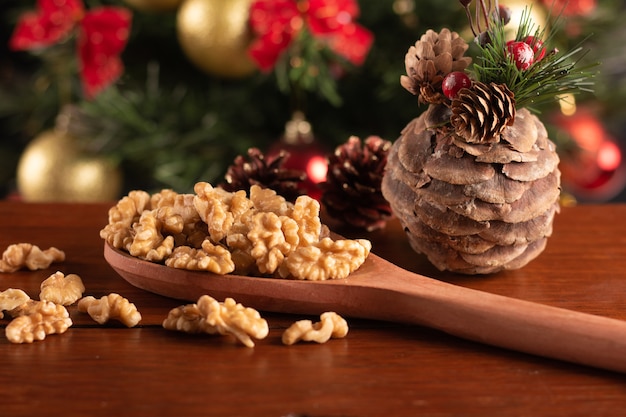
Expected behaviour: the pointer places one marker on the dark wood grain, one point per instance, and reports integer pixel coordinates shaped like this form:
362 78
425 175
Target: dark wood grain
379 369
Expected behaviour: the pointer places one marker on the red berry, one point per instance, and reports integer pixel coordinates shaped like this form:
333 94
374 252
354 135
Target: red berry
523 55
537 45
454 82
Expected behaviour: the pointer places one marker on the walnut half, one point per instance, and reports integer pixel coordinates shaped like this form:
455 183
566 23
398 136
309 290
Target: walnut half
37 320
110 307
212 317
27 255
62 289
12 298
332 325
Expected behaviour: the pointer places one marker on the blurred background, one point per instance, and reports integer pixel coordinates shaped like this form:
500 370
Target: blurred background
189 98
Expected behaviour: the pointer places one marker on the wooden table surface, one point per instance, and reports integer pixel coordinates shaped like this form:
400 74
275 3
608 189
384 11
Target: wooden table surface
379 369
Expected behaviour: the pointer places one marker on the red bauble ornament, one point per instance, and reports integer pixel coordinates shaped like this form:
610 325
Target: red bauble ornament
305 153
537 45
523 55
454 82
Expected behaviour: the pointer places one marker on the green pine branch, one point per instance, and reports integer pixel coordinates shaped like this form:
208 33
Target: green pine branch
546 80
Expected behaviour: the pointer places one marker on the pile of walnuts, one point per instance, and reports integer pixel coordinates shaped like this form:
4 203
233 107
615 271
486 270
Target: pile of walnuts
228 232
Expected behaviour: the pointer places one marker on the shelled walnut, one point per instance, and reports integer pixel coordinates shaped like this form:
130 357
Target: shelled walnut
36 320
27 255
224 232
212 317
12 298
209 257
62 289
326 259
331 325
110 307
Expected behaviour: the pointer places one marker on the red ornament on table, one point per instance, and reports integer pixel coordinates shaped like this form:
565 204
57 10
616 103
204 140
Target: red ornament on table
102 34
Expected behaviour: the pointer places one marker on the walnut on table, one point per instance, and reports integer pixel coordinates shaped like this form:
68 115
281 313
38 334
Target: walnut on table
62 289
110 307
34 320
331 325
20 255
12 298
212 317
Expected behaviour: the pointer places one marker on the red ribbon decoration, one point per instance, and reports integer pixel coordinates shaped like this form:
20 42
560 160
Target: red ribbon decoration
102 35
275 23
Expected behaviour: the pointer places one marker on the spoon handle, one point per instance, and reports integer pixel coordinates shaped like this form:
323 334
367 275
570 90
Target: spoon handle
504 322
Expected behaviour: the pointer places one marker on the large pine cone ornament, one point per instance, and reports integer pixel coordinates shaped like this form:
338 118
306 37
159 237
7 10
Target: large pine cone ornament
474 180
474 208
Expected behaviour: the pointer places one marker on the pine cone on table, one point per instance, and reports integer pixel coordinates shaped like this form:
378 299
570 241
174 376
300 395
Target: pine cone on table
266 173
351 192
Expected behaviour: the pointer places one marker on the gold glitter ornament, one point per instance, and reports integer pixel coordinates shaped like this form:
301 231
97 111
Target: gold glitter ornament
215 37
54 168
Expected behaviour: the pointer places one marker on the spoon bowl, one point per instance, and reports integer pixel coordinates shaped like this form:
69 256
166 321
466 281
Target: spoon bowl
381 290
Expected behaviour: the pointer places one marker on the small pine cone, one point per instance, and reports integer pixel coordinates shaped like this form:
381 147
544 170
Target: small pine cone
481 112
266 173
351 192
431 58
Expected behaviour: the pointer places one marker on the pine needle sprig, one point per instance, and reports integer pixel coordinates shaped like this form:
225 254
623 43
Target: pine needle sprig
546 80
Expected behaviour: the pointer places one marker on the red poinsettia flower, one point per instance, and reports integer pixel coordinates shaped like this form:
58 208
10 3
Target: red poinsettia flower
275 24
572 7
102 34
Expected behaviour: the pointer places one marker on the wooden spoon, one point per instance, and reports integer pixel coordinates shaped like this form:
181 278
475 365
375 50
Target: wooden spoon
383 291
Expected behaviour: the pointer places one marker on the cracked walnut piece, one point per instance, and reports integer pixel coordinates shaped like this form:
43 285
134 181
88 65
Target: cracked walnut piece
62 289
326 259
212 317
121 217
37 320
148 242
20 255
331 325
12 298
110 307
212 258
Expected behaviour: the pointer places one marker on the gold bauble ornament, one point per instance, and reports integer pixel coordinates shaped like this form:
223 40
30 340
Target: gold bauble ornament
215 37
54 168
155 6
538 15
